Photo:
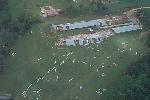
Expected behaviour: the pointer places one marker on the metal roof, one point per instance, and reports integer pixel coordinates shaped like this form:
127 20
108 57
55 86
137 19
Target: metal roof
126 28
81 24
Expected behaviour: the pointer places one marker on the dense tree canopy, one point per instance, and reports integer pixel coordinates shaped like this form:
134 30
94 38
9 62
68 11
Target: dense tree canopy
134 85
144 18
91 6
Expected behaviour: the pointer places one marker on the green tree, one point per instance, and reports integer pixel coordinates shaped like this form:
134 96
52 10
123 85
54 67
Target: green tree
144 18
98 7
134 85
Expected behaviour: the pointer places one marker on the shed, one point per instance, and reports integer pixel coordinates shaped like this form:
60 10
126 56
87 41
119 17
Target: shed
126 28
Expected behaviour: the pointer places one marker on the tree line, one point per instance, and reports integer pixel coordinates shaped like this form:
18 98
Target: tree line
144 18
11 29
90 7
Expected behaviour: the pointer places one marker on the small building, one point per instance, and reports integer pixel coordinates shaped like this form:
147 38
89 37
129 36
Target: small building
128 28
49 11
79 25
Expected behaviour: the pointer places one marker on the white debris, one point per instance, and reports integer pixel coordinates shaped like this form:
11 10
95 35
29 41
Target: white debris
13 54
29 86
63 55
73 60
98 69
108 57
103 66
66 58
53 68
48 71
43 77
57 78
83 62
81 87
130 49
53 54
99 93
55 62
123 43
104 89
136 53
115 64
52 47
39 58
38 79
123 51
94 57
68 53
24 93
62 63
71 79
37 91
98 50
103 74
77 97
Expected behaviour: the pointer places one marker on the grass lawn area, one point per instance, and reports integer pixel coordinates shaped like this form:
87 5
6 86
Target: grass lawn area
69 73
83 66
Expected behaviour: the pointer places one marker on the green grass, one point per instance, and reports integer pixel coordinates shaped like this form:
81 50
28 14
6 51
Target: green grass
24 67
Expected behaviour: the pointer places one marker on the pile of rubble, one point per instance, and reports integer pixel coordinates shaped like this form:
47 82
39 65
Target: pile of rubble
84 39
49 11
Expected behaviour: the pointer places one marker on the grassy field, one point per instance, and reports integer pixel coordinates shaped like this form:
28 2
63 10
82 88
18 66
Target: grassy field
78 71
86 71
